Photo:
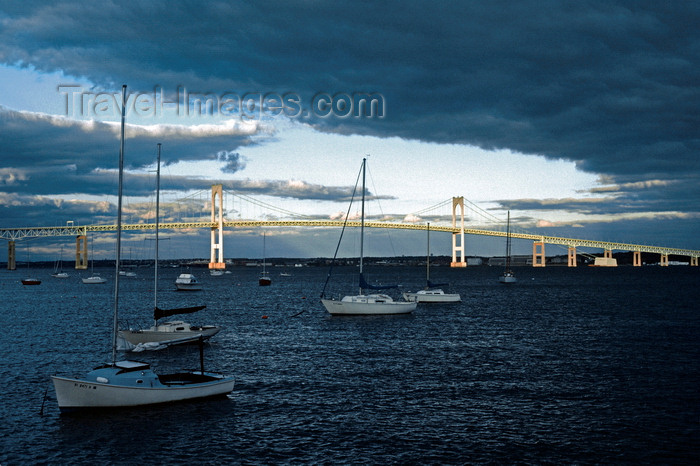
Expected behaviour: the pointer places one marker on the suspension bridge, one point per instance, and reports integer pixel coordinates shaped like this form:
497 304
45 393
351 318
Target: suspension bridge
217 225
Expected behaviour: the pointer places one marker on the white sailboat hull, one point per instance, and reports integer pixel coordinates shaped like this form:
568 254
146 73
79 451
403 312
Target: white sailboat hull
170 333
432 296
75 394
94 280
117 387
367 305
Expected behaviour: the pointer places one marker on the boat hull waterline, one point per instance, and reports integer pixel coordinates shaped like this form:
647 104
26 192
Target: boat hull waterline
169 333
367 305
187 282
432 296
94 280
106 387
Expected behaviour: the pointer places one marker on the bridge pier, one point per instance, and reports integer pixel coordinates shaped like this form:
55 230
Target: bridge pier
637 259
81 252
663 262
458 202
693 261
216 260
538 257
11 257
572 256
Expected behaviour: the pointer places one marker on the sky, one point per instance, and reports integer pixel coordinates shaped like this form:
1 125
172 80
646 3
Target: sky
580 117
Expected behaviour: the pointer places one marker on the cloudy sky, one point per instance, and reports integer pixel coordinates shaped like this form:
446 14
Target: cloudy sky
579 117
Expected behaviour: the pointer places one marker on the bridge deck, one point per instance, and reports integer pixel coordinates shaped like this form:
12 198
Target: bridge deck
13 234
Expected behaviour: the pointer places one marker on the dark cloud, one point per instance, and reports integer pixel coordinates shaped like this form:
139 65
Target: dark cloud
233 161
589 81
611 85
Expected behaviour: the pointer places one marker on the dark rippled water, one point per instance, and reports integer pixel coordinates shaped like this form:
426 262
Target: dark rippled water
567 366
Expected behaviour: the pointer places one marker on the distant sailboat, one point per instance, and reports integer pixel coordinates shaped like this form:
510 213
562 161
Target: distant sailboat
94 278
508 275
30 280
264 279
431 294
58 268
362 304
122 384
167 333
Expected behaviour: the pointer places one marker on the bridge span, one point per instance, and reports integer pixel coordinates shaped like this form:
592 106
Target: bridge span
218 224
81 232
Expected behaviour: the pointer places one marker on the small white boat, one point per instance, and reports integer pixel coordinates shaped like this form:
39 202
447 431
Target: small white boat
508 275
93 280
431 294
361 304
264 279
132 383
58 268
372 304
176 332
187 282
216 273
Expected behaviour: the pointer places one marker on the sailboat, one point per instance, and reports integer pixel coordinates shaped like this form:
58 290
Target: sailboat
431 294
94 278
58 268
362 304
30 280
167 333
264 279
132 383
508 275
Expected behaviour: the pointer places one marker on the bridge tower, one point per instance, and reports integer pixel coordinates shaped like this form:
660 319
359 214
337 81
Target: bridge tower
81 252
572 256
664 260
216 261
458 202
11 265
637 259
693 261
538 257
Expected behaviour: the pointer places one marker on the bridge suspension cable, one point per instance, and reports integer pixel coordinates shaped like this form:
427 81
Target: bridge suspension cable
266 205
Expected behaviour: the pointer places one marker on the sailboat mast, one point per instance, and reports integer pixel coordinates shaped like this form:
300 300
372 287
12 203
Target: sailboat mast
115 322
427 261
508 243
362 224
155 284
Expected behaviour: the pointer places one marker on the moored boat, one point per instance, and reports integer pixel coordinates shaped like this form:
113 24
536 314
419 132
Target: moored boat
187 282
508 275
362 304
431 294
